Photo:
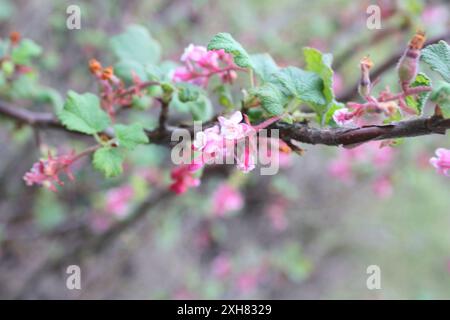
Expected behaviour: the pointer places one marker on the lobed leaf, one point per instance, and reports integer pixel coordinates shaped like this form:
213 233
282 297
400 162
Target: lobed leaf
82 113
226 42
437 56
129 136
108 161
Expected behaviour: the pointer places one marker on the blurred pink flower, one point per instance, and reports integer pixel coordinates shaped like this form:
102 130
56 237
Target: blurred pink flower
226 199
118 199
368 153
442 161
99 222
343 116
382 157
277 214
248 280
200 64
435 13
183 179
383 187
338 83
221 266
340 169
46 172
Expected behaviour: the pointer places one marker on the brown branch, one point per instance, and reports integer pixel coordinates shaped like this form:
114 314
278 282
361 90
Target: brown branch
352 136
298 131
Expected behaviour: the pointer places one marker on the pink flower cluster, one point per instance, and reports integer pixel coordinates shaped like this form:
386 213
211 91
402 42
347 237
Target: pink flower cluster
442 161
218 143
214 143
226 199
369 154
199 65
46 172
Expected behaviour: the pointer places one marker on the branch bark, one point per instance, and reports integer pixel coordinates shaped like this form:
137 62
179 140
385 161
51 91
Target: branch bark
301 132
298 131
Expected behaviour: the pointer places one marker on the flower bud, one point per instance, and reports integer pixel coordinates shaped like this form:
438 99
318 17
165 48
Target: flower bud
409 63
14 37
94 66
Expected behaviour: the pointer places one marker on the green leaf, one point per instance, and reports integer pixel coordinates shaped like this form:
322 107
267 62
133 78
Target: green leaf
272 98
26 50
136 44
320 63
124 70
437 56
226 42
82 113
129 136
192 99
328 118
264 65
108 161
419 102
441 97
304 85
225 97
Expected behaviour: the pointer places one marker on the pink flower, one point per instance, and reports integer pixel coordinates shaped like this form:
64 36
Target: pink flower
343 116
442 161
194 53
200 64
117 200
183 179
46 172
218 141
341 169
232 128
226 199
246 162
383 187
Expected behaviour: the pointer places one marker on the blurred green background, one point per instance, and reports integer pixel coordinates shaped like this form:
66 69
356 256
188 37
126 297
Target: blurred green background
302 234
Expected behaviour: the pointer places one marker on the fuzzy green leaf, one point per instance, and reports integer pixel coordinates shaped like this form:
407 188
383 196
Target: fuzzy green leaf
108 161
320 63
82 113
129 136
304 85
136 44
417 103
264 65
437 56
226 42
441 97
272 98
192 99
